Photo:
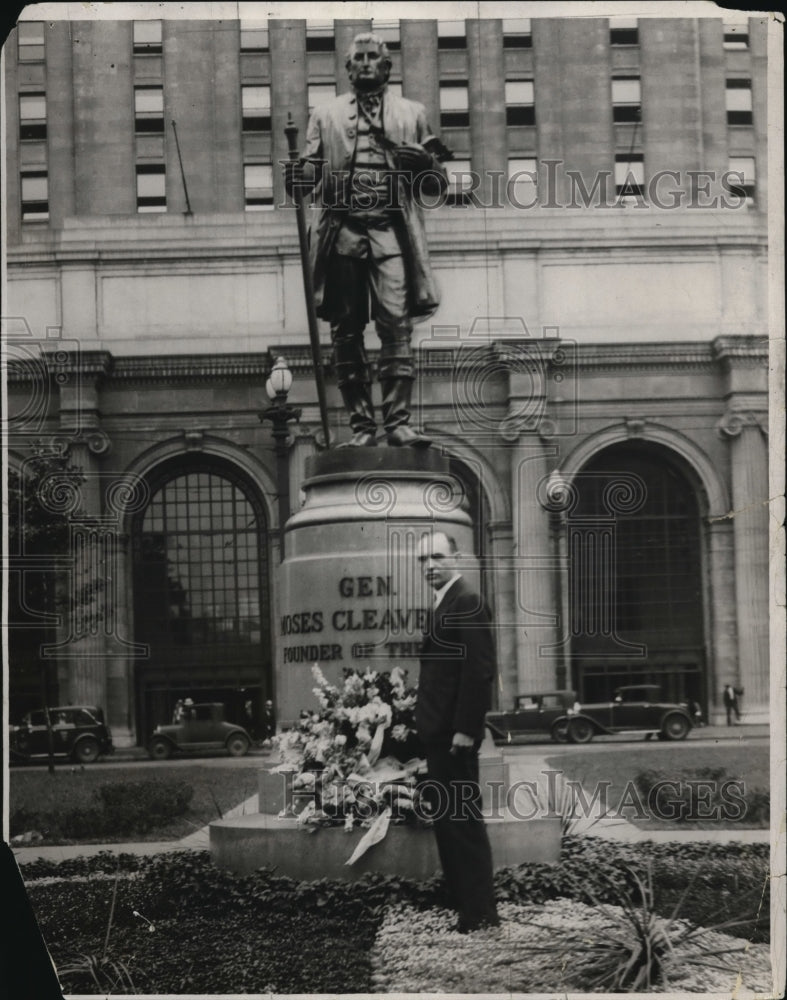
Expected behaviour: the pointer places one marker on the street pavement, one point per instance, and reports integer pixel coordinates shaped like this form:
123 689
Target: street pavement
528 763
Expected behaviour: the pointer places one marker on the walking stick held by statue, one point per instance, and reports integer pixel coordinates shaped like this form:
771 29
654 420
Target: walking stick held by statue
291 131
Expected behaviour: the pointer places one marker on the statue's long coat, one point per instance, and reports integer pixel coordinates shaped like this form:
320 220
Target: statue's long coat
330 138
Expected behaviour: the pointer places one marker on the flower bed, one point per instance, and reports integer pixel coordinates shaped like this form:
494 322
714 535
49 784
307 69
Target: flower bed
214 932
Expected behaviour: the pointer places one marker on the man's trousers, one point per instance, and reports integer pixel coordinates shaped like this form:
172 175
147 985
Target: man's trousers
462 841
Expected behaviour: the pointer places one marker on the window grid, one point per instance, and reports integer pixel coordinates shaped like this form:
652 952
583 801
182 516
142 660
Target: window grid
454 105
256 108
626 99
629 176
738 102
148 110
32 116
35 195
151 187
736 36
520 102
31 43
623 31
517 33
744 166
258 186
320 93
319 36
451 35
147 38
254 36
198 563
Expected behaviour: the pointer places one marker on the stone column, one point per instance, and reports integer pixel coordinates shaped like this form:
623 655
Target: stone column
420 75
749 462
723 639
533 567
487 104
501 545
289 92
344 31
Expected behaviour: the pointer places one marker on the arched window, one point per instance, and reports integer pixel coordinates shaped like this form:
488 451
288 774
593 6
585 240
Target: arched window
200 590
635 575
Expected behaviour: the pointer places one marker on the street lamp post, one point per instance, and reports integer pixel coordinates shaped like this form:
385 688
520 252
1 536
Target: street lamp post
280 414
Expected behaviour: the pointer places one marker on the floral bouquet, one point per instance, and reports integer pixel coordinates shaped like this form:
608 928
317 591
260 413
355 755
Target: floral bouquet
349 756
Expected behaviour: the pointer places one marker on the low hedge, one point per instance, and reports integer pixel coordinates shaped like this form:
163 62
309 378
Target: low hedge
123 808
219 932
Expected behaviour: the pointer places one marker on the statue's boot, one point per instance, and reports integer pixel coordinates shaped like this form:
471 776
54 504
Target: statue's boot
358 403
396 414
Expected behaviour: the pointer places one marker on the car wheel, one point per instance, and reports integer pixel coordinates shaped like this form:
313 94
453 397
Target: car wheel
237 745
87 750
160 749
580 731
559 731
675 727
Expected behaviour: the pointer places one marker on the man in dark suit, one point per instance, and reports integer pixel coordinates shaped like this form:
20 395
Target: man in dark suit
454 694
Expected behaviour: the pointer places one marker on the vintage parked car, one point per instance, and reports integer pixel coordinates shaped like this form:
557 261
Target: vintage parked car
544 712
203 727
79 733
636 708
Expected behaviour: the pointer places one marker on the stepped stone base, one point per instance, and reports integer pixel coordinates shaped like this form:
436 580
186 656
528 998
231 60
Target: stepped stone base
247 843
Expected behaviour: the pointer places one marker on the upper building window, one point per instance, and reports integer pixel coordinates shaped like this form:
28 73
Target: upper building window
744 185
254 36
147 38
522 182
30 36
32 116
451 35
35 196
390 34
736 36
517 33
319 36
258 186
148 109
626 99
256 109
629 177
320 93
739 102
454 105
520 102
151 187
623 31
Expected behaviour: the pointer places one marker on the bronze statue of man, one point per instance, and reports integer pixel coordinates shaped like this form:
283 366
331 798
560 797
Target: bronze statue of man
369 154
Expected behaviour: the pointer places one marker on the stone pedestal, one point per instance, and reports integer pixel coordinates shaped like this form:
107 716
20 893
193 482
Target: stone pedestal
350 592
245 843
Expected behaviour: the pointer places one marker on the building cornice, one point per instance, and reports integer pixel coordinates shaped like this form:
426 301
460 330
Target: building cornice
432 362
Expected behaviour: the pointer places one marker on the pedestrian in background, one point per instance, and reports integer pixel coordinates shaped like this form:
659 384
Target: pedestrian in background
731 704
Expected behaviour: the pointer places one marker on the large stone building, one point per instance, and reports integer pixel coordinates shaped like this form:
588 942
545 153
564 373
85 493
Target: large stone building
597 371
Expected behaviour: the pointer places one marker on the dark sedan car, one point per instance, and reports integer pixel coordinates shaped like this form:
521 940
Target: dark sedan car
78 733
545 712
636 708
203 727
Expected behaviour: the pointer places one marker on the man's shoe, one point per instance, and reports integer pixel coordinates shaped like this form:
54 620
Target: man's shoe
404 435
361 439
